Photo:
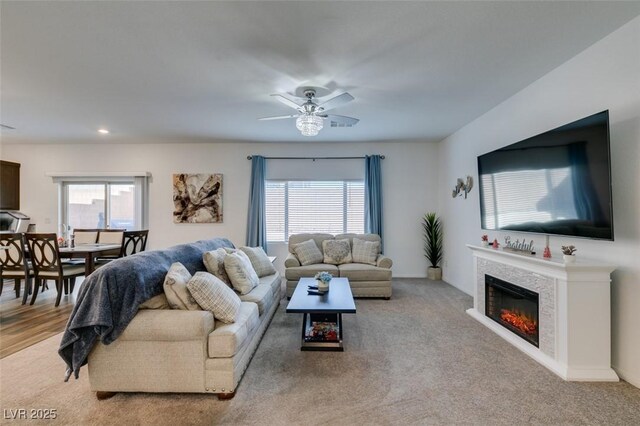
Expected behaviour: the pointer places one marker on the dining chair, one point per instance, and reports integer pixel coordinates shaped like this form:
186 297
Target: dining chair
45 258
111 236
134 242
85 236
14 264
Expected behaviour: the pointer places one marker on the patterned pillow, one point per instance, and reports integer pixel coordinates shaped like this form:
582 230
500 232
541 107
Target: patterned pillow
365 251
214 262
215 296
307 253
238 267
337 252
175 288
259 260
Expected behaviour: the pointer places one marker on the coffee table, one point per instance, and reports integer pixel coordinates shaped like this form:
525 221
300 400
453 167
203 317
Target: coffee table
326 309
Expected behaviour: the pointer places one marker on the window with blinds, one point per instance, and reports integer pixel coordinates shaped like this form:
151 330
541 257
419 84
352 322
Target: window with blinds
294 207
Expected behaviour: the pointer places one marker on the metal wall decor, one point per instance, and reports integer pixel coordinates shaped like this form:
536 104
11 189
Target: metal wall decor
462 187
519 246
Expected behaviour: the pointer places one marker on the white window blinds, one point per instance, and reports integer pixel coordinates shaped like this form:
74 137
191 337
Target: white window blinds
294 207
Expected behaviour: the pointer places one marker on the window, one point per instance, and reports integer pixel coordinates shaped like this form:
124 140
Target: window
294 207
104 205
102 201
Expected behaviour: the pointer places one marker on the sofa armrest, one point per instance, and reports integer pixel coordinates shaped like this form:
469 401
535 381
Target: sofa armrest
291 261
171 325
384 262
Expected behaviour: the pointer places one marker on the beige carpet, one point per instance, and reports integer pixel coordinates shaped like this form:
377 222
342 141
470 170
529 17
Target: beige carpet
416 359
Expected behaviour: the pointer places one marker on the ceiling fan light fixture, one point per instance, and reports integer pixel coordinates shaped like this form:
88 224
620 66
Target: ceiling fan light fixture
309 124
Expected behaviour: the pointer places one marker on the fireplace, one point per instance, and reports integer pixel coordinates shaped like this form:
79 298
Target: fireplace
513 307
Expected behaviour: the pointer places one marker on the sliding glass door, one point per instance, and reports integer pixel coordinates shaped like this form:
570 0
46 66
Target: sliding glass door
99 205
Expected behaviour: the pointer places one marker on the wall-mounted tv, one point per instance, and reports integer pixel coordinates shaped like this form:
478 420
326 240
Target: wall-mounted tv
557 183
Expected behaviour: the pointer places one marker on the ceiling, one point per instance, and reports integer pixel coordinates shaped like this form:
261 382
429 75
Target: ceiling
203 71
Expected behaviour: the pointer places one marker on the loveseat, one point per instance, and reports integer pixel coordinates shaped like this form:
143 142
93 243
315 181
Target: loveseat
168 350
366 280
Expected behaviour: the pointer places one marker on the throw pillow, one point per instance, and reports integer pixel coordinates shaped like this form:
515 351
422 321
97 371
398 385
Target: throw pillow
238 267
365 251
259 260
307 253
215 296
156 302
175 288
337 252
214 262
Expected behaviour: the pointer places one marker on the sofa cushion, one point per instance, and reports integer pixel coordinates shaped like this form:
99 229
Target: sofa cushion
365 251
175 288
275 282
362 272
308 253
365 237
214 262
261 295
227 339
337 252
214 296
259 260
241 273
310 271
299 238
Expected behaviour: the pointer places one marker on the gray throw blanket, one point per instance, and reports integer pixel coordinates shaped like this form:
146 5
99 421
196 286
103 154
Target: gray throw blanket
110 296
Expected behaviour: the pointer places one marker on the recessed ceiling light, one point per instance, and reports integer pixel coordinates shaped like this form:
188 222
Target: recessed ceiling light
103 131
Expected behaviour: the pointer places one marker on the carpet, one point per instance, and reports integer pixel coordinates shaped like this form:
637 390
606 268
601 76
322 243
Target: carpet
415 359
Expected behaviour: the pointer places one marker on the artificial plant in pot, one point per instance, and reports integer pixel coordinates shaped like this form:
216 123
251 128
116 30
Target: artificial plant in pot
432 233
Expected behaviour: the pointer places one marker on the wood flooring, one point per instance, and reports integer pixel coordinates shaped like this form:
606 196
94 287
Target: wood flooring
24 325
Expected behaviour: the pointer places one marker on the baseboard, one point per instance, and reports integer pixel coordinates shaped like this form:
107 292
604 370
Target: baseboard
633 381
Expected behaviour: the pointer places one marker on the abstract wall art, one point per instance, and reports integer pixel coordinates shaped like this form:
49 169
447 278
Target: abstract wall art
197 198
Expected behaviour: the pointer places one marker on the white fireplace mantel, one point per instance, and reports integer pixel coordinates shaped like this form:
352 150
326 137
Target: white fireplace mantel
575 310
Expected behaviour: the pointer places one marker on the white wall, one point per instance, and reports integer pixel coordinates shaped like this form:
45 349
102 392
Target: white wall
409 174
604 76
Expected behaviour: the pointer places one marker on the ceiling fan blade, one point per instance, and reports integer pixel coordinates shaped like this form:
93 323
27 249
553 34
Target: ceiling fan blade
279 117
4 126
288 102
336 101
341 120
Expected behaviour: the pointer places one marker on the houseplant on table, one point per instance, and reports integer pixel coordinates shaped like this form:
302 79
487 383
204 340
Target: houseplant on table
432 234
322 280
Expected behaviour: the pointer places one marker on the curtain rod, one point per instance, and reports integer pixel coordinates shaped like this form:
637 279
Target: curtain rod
249 157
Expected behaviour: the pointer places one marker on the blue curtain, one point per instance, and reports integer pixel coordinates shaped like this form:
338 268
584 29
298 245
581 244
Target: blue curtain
373 197
256 220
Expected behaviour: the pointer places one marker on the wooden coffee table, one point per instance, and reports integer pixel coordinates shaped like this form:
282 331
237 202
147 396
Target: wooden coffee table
323 310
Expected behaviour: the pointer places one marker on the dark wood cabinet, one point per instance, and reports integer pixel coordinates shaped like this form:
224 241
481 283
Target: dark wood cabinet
9 185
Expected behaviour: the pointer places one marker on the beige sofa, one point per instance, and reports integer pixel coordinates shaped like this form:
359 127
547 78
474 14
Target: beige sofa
365 280
164 350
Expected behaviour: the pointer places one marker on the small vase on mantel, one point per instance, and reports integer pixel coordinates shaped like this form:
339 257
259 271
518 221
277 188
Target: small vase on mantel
569 258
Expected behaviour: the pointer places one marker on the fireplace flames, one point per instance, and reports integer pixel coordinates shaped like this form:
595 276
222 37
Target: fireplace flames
520 321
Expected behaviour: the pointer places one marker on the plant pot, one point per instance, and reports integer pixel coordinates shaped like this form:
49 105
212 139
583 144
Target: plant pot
323 285
485 244
569 258
434 274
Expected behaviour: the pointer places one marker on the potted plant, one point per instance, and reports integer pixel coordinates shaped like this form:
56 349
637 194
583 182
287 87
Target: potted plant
432 233
567 254
485 240
322 280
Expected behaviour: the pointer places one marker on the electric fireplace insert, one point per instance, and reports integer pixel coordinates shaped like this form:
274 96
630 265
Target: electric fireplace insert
513 307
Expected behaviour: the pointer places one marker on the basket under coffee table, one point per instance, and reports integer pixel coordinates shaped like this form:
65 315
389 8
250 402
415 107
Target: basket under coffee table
325 309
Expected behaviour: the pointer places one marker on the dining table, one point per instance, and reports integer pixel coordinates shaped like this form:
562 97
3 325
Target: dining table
88 252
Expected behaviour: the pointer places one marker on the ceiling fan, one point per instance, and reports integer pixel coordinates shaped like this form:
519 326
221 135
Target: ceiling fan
311 114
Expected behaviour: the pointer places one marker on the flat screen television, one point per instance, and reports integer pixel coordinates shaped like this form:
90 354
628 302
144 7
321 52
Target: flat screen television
557 183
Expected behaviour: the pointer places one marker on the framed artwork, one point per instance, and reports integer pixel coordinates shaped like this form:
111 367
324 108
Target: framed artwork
197 198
